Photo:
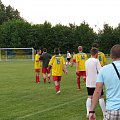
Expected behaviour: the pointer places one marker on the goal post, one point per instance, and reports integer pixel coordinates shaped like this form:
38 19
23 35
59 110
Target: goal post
9 54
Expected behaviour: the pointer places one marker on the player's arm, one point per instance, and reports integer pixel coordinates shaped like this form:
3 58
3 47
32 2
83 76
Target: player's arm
41 58
65 69
65 66
76 64
50 64
98 66
96 96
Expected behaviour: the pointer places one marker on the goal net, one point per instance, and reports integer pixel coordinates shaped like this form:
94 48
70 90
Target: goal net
8 54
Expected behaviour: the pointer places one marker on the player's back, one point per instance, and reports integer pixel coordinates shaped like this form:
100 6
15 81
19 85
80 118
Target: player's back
102 58
45 59
37 63
57 63
68 55
92 66
81 57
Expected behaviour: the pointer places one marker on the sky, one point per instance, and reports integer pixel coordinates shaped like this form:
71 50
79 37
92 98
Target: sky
94 12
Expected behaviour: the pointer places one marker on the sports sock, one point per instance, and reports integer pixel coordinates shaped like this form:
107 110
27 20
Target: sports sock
37 79
102 104
84 78
57 88
88 104
78 83
44 80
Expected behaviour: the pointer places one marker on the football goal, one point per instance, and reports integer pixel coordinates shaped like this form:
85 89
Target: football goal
8 54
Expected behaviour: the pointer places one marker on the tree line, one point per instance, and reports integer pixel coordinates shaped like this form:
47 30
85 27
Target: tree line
17 32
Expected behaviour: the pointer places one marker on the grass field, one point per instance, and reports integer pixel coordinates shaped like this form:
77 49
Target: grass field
22 99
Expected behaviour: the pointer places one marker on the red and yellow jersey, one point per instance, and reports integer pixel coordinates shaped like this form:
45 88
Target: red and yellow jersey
57 63
37 63
80 59
102 58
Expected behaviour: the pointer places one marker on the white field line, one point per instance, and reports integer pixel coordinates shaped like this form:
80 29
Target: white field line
48 109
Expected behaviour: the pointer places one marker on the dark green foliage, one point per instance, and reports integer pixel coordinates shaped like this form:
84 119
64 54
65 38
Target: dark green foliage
8 13
16 32
108 37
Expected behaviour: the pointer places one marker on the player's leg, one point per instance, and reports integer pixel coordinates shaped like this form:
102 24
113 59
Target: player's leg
78 80
67 61
70 62
48 74
73 61
84 76
48 77
59 79
89 99
55 78
88 104
57 87
37 75
44 74
102 103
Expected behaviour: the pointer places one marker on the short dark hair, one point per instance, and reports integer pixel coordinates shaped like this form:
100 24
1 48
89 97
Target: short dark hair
44 50
115 51
57 51
94 51
95 45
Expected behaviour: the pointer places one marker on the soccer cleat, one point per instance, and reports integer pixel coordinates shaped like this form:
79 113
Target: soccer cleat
49 81
58 92
79 89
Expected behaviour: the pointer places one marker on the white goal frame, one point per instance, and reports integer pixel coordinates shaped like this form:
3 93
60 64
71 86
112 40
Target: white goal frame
6 53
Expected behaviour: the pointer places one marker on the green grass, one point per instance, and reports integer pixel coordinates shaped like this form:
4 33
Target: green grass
22 99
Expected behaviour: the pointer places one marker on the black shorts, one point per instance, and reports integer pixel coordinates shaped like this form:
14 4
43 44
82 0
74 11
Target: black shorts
91 91
68 59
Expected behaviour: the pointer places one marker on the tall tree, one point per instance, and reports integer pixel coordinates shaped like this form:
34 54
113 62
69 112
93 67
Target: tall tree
85 36
106 38
8 13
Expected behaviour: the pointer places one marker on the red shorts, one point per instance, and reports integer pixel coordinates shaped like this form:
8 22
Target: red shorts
45 70
37 70
57 78
74 60
81 73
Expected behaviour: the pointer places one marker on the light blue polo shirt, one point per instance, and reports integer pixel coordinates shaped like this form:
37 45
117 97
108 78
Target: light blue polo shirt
108 76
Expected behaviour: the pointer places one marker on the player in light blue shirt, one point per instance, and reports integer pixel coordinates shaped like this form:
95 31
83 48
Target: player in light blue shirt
111 79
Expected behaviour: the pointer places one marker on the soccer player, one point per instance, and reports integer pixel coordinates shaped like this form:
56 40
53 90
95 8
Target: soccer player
68 58
74 58
45 57
93 66
81 57
57 62
101 55
37 66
